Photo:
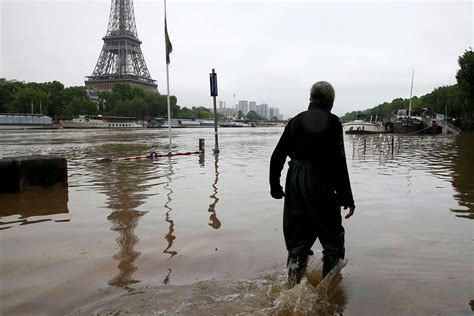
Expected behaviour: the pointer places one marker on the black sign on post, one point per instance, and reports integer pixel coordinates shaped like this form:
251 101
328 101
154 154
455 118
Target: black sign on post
213 81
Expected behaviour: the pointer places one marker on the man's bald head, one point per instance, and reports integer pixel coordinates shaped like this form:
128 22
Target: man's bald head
322 93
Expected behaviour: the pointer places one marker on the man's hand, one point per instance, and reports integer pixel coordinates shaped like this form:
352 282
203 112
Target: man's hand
277 193
351 211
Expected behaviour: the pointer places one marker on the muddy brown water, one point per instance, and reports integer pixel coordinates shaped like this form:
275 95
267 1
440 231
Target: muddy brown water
183 235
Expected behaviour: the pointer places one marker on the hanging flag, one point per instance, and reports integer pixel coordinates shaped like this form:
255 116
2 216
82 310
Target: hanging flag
169 47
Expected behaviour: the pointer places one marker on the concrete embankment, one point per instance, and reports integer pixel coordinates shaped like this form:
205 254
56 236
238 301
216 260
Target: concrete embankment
20 173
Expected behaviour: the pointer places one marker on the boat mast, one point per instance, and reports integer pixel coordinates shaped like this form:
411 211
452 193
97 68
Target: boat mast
411 91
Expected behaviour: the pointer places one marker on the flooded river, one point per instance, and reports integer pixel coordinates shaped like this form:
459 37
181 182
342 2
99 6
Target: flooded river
203 236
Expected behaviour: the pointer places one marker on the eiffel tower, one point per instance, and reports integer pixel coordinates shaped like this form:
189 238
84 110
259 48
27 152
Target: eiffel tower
121 59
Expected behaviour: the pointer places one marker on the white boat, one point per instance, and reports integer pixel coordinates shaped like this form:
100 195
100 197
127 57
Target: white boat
99 121
196 123
233 124
365 124
25 121
187 123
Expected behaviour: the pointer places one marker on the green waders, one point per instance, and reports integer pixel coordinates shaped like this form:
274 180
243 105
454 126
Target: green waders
310 212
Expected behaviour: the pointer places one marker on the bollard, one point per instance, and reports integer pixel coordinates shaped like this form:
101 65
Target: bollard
201 149
201 145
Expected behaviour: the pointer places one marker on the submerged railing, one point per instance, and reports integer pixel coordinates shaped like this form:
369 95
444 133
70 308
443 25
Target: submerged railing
450 127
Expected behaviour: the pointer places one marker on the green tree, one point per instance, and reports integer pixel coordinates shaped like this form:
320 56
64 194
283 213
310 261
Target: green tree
202 112
125 100
57 102
186 113
28 98
465 79
465 75
7 91
79 106
254 116
76 102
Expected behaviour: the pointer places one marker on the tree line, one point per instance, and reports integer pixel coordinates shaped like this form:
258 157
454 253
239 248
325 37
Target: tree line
53 99
49 98
457 100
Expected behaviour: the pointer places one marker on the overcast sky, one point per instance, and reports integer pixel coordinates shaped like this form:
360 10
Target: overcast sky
264 51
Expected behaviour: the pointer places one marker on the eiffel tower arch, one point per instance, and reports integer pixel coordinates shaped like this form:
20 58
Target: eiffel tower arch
121 59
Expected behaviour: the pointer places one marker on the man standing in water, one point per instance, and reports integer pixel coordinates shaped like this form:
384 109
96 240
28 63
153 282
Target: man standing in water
317 183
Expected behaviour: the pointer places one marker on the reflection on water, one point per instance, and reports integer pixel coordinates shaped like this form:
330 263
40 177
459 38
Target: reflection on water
124 222
169 236
446 157
382 147
166 280
463 176
122 183
213 220
42 202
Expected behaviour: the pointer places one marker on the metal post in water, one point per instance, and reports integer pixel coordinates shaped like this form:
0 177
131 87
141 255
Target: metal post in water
201 149
201 145
216 136
213 82
392 144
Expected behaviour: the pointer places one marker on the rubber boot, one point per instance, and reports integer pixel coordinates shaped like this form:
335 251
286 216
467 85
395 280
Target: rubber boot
328 264
296 270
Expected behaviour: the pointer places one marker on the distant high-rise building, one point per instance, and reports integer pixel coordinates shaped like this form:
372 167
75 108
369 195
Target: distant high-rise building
274 112
243 106
263 110
252 106
221 104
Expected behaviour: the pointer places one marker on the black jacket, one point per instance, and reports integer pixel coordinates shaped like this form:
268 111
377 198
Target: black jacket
315 136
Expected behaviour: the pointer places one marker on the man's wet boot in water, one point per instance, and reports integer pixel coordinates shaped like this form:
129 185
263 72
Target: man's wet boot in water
328 264
333 252
296 270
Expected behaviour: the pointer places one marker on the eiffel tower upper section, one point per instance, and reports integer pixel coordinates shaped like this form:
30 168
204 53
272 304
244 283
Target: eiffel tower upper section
121 59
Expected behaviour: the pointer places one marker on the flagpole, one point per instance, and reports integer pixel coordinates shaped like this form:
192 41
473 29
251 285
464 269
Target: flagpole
168 94
411 91
169 107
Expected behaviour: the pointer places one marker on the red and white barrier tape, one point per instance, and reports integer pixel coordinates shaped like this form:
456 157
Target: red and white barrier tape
154 155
